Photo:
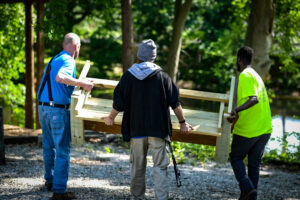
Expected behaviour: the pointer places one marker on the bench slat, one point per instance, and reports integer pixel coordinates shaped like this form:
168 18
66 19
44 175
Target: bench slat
103 83
185 93
86 113
195 116
98 104
177 136
209 96
201 127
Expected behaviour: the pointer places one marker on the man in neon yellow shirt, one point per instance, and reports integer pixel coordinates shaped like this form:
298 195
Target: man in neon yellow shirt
252 125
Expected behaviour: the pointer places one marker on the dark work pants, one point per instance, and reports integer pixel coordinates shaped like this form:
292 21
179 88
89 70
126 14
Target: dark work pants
254 148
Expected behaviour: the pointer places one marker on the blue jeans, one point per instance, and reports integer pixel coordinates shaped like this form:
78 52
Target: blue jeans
254 148
55 123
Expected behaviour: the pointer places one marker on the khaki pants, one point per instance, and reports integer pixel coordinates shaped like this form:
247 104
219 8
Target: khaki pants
160 157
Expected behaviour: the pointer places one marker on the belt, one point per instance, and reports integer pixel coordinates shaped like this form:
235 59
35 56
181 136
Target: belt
54 105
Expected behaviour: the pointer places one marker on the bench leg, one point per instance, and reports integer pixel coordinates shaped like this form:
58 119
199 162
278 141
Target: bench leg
223 143
77 127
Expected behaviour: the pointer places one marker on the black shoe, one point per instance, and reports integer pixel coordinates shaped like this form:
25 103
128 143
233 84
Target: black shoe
248 194
48 186
63 196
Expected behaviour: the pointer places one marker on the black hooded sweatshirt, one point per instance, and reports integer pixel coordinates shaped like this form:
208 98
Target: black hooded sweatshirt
145 104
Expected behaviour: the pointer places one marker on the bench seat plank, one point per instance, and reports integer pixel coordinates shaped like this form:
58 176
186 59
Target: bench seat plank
98 104
205 123
177 136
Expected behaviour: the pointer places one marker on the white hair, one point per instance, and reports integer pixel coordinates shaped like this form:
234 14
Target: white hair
71 38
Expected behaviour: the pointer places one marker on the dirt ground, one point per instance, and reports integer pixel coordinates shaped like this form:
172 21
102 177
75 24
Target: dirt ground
102 171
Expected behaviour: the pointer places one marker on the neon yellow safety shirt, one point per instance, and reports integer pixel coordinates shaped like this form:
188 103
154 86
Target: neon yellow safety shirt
256 120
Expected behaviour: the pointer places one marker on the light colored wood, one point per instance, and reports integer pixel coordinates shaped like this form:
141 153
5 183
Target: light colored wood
194 138
103 83
223 142
80 102
209 96
83 95
202 126
98 104
203 122
231 94
83 74
185 93
77 129
177 136
85 70
105 105
220 116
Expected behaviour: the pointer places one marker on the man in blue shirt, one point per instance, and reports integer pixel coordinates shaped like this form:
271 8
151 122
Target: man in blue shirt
54 97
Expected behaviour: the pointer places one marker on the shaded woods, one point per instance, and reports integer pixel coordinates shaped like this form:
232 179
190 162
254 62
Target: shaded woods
197 43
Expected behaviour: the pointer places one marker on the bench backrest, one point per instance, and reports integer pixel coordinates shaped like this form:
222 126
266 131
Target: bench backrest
210 127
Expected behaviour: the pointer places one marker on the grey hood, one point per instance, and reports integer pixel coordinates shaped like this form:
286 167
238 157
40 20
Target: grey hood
143 70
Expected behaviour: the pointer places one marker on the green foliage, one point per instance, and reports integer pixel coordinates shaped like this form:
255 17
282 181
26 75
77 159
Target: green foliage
284 154
155 24
213 32
287 23
55 25
12 62
285 51
62 16
211 52
110 52
106 149
192 153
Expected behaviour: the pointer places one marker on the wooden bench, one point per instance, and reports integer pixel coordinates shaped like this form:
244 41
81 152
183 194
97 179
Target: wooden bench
210 128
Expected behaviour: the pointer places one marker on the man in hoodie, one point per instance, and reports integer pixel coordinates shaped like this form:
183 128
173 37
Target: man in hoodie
145 94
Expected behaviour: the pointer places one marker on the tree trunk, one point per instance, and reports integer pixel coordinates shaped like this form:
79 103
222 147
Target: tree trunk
181 11
39 53
127 35
2 147
259 35
29 80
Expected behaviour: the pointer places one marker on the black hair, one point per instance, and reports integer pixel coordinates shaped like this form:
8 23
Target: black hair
245 55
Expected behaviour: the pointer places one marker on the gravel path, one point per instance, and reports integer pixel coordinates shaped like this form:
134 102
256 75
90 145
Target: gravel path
102 171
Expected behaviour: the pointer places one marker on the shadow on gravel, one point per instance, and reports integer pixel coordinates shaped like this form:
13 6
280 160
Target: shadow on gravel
95 174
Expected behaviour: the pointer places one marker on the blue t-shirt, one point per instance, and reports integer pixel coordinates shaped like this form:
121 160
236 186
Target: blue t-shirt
61 93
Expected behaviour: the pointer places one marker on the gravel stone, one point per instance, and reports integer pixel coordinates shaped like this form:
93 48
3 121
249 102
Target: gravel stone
102 171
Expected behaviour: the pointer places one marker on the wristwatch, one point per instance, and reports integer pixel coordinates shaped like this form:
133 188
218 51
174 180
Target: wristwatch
181 122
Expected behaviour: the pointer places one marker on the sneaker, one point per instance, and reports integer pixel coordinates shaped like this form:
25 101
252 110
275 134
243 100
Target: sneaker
48 186
248 194
63 196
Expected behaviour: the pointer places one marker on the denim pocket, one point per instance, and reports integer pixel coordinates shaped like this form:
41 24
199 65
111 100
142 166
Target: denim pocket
58 123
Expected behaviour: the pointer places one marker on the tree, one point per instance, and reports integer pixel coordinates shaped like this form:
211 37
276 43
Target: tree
181 11
12 62
40 49
127 35
259 35
29 77
285 51
61 17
